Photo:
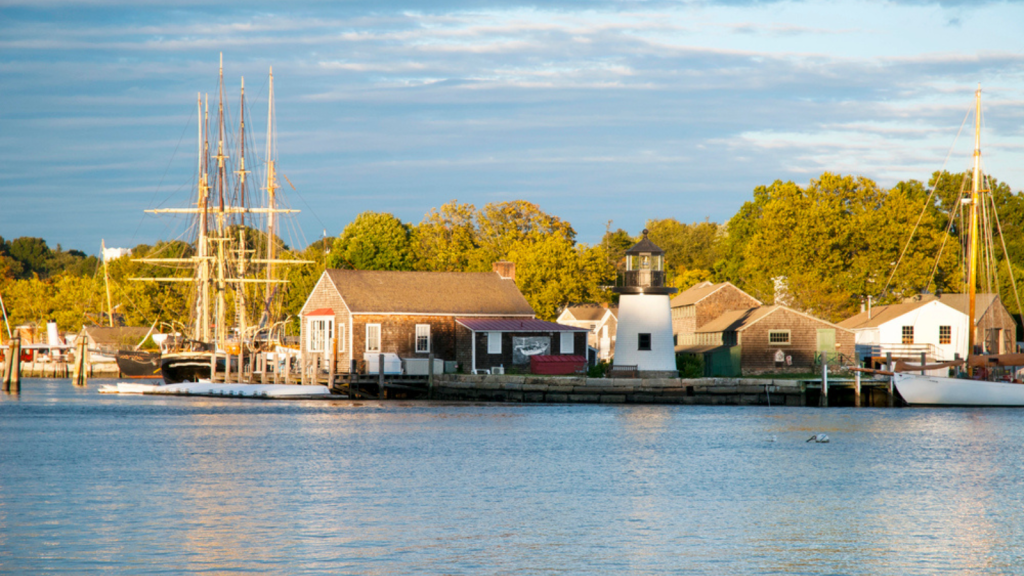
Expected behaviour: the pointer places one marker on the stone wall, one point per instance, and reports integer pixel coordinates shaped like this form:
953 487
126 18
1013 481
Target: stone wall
704 391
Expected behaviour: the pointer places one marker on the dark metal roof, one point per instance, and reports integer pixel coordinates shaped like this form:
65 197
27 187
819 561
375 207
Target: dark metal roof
645 246
510 325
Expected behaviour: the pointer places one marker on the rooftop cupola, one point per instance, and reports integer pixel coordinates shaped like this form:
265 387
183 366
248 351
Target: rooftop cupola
645 269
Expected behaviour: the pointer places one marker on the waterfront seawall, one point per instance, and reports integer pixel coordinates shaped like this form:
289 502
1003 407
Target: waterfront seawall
698 391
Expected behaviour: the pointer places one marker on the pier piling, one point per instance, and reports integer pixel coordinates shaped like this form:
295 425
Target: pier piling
382 391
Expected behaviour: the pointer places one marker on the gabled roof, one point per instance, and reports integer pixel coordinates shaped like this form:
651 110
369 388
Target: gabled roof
739 320
584 312
882 314
701 291
440 293
507 325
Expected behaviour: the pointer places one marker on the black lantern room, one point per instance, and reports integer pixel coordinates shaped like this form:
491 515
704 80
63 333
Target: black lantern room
645 270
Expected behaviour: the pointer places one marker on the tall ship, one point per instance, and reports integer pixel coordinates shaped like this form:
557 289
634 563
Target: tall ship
988 379
234 256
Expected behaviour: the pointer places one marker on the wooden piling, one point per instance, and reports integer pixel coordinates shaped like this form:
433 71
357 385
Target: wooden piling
16 372
856 389
330 366
303 368
287 369
824 383
8 365
923 362
227 366
382 392
264 366
430 375
213 366
81 361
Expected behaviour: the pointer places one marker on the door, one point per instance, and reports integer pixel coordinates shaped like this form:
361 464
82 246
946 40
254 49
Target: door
827 343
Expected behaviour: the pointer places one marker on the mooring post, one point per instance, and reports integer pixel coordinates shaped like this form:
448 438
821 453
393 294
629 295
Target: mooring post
382 391
888 361
923 362
213 366
82 361
856 389
277 367
956 357
303 367
332 360
8 364
16 373
824 382
227 365
430 375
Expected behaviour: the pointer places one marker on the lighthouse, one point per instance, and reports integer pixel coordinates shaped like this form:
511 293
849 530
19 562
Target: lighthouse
644 335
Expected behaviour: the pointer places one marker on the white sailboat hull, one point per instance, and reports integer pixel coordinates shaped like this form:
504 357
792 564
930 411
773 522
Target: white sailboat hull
940 391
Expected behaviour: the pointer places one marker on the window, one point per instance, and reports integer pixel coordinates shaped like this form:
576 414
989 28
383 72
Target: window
643 341
593 328
422 338
373 338
568 344
778 337
908 334
341 337
945 334
494 342
320 332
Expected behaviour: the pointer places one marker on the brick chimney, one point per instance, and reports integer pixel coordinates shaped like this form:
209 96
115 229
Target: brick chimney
505 269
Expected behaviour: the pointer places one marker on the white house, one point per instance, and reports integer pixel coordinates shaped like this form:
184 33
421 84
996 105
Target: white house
934 325
600 319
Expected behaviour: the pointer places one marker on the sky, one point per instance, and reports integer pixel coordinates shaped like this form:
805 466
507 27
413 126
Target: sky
618 111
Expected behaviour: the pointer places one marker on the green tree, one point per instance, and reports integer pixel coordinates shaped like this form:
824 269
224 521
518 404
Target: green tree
373 241
553 271
502 225
446 239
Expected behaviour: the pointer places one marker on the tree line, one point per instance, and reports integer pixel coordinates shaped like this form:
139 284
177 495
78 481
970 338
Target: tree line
822 248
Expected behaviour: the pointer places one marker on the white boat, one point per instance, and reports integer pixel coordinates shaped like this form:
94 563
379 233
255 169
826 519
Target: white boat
920 390
924 390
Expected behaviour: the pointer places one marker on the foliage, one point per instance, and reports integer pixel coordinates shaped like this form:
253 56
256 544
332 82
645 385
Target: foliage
690 365
598 370
552 272
373 241
446 239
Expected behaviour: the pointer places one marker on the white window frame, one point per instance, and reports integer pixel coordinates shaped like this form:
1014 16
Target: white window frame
319 331
376 350
422 332
789 338
571 343
341 337
494 342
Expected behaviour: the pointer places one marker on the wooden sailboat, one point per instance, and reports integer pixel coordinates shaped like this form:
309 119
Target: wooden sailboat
221 260
919 389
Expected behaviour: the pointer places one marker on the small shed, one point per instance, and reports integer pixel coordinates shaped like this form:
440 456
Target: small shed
486 343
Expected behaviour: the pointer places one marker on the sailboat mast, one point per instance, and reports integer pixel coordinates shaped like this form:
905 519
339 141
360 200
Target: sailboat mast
221 315
271 190
972 276
203 321
106 282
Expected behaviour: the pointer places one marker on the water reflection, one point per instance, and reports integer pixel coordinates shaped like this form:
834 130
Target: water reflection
123 484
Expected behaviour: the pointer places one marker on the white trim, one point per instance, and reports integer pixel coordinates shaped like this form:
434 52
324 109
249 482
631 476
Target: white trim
416 342
380 338
489 337
340 334
472 341
572 343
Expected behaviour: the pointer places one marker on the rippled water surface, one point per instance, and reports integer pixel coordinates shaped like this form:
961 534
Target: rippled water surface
130 484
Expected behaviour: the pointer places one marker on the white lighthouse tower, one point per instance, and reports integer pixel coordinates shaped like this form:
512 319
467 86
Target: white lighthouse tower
644 334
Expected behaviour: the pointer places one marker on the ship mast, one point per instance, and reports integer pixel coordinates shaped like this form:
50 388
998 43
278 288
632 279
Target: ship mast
972 275
271 190
203 318
242 256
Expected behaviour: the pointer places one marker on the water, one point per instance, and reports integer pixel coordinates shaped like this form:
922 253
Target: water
123 484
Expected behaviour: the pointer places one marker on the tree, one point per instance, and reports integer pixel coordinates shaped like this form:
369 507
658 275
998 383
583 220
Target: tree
552 272
446 239
373 241
501 225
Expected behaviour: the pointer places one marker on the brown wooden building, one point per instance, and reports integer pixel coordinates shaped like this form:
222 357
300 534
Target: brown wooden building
411 314
767 339
700 304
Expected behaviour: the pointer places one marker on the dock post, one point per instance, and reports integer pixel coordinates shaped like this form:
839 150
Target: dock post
277 367
923 362
332 360
888 361
16 373
303 368
382 392
889 395
252 368
81 362
264 368
227 365
353 377
856 389
957 358
287 368
824 382
213 366
8 365
430 376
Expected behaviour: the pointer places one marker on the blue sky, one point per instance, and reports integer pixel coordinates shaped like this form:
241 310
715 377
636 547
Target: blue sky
597 111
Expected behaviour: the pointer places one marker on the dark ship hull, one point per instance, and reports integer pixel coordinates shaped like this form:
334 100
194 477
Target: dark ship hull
185 367
138 364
